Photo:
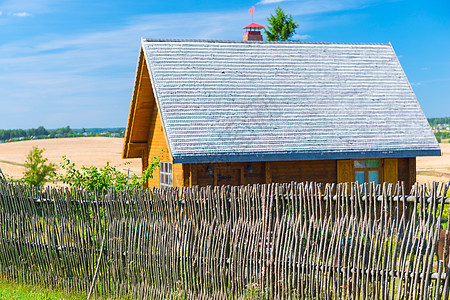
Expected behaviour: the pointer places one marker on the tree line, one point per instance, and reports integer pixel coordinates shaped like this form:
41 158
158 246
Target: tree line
41 133
441 135
436 121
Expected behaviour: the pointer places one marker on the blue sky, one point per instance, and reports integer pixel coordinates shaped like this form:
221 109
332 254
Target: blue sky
69 62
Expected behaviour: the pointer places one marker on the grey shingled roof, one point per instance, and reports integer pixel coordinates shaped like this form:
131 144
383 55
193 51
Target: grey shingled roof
264 101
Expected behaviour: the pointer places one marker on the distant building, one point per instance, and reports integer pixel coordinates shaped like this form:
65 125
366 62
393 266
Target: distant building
234 113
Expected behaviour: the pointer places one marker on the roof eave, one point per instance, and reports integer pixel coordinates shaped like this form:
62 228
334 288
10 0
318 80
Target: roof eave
304 155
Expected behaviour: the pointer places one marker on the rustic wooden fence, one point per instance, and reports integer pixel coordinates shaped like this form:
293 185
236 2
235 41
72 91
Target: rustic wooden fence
297 240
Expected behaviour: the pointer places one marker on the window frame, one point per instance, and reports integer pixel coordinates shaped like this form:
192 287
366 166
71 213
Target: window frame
366 170
165 171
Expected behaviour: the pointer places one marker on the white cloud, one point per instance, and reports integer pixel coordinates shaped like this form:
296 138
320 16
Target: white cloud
1 13
425 68
21 14
310 7
270 1
301 36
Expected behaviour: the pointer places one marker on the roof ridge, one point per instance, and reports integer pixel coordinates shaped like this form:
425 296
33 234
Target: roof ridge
253 42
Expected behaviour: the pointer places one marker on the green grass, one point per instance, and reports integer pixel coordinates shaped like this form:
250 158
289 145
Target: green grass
12 290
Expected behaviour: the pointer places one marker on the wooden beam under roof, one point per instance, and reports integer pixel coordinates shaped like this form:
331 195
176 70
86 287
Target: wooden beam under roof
141 109
137 146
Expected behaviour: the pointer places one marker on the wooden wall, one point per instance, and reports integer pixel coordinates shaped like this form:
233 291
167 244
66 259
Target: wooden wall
263 172
304 170
158 148
287 171
201 177
407 171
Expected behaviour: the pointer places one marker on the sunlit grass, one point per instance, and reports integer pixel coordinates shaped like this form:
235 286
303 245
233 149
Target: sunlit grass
12 290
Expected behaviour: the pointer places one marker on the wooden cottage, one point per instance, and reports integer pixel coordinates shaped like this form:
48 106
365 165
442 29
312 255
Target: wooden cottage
234 113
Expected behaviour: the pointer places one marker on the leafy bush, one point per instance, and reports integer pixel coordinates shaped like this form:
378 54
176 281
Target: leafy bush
146 174
90 178
37 170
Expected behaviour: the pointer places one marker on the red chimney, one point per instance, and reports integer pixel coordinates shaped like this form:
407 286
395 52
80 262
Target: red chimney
253 32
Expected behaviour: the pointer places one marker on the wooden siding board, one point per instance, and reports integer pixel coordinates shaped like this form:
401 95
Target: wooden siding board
177 175
192 175
187 175
403 169
158 146
412 172
268 172
407 171
318 170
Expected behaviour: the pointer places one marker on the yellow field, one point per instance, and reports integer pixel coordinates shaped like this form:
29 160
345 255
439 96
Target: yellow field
96 151
435 168
88 151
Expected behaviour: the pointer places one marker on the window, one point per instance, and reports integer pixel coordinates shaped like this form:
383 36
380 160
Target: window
165 174
367 170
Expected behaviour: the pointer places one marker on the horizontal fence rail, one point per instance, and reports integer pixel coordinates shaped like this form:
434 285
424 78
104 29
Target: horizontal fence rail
293 241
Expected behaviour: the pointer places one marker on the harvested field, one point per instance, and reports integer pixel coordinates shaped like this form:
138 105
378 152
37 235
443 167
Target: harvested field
434 168
88 151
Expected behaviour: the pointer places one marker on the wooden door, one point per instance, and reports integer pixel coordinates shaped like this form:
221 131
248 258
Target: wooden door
390 171
345 171
228 176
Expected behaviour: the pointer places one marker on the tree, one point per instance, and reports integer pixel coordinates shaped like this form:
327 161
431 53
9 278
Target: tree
281 26
41 131
37 170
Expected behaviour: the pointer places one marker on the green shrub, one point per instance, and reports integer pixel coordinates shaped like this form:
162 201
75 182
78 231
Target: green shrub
90 178
37 170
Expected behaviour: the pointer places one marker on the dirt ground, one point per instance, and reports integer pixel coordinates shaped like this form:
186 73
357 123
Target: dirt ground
87 151
96 151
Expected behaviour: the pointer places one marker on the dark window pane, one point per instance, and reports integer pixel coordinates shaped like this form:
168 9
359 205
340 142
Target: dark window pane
362 164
